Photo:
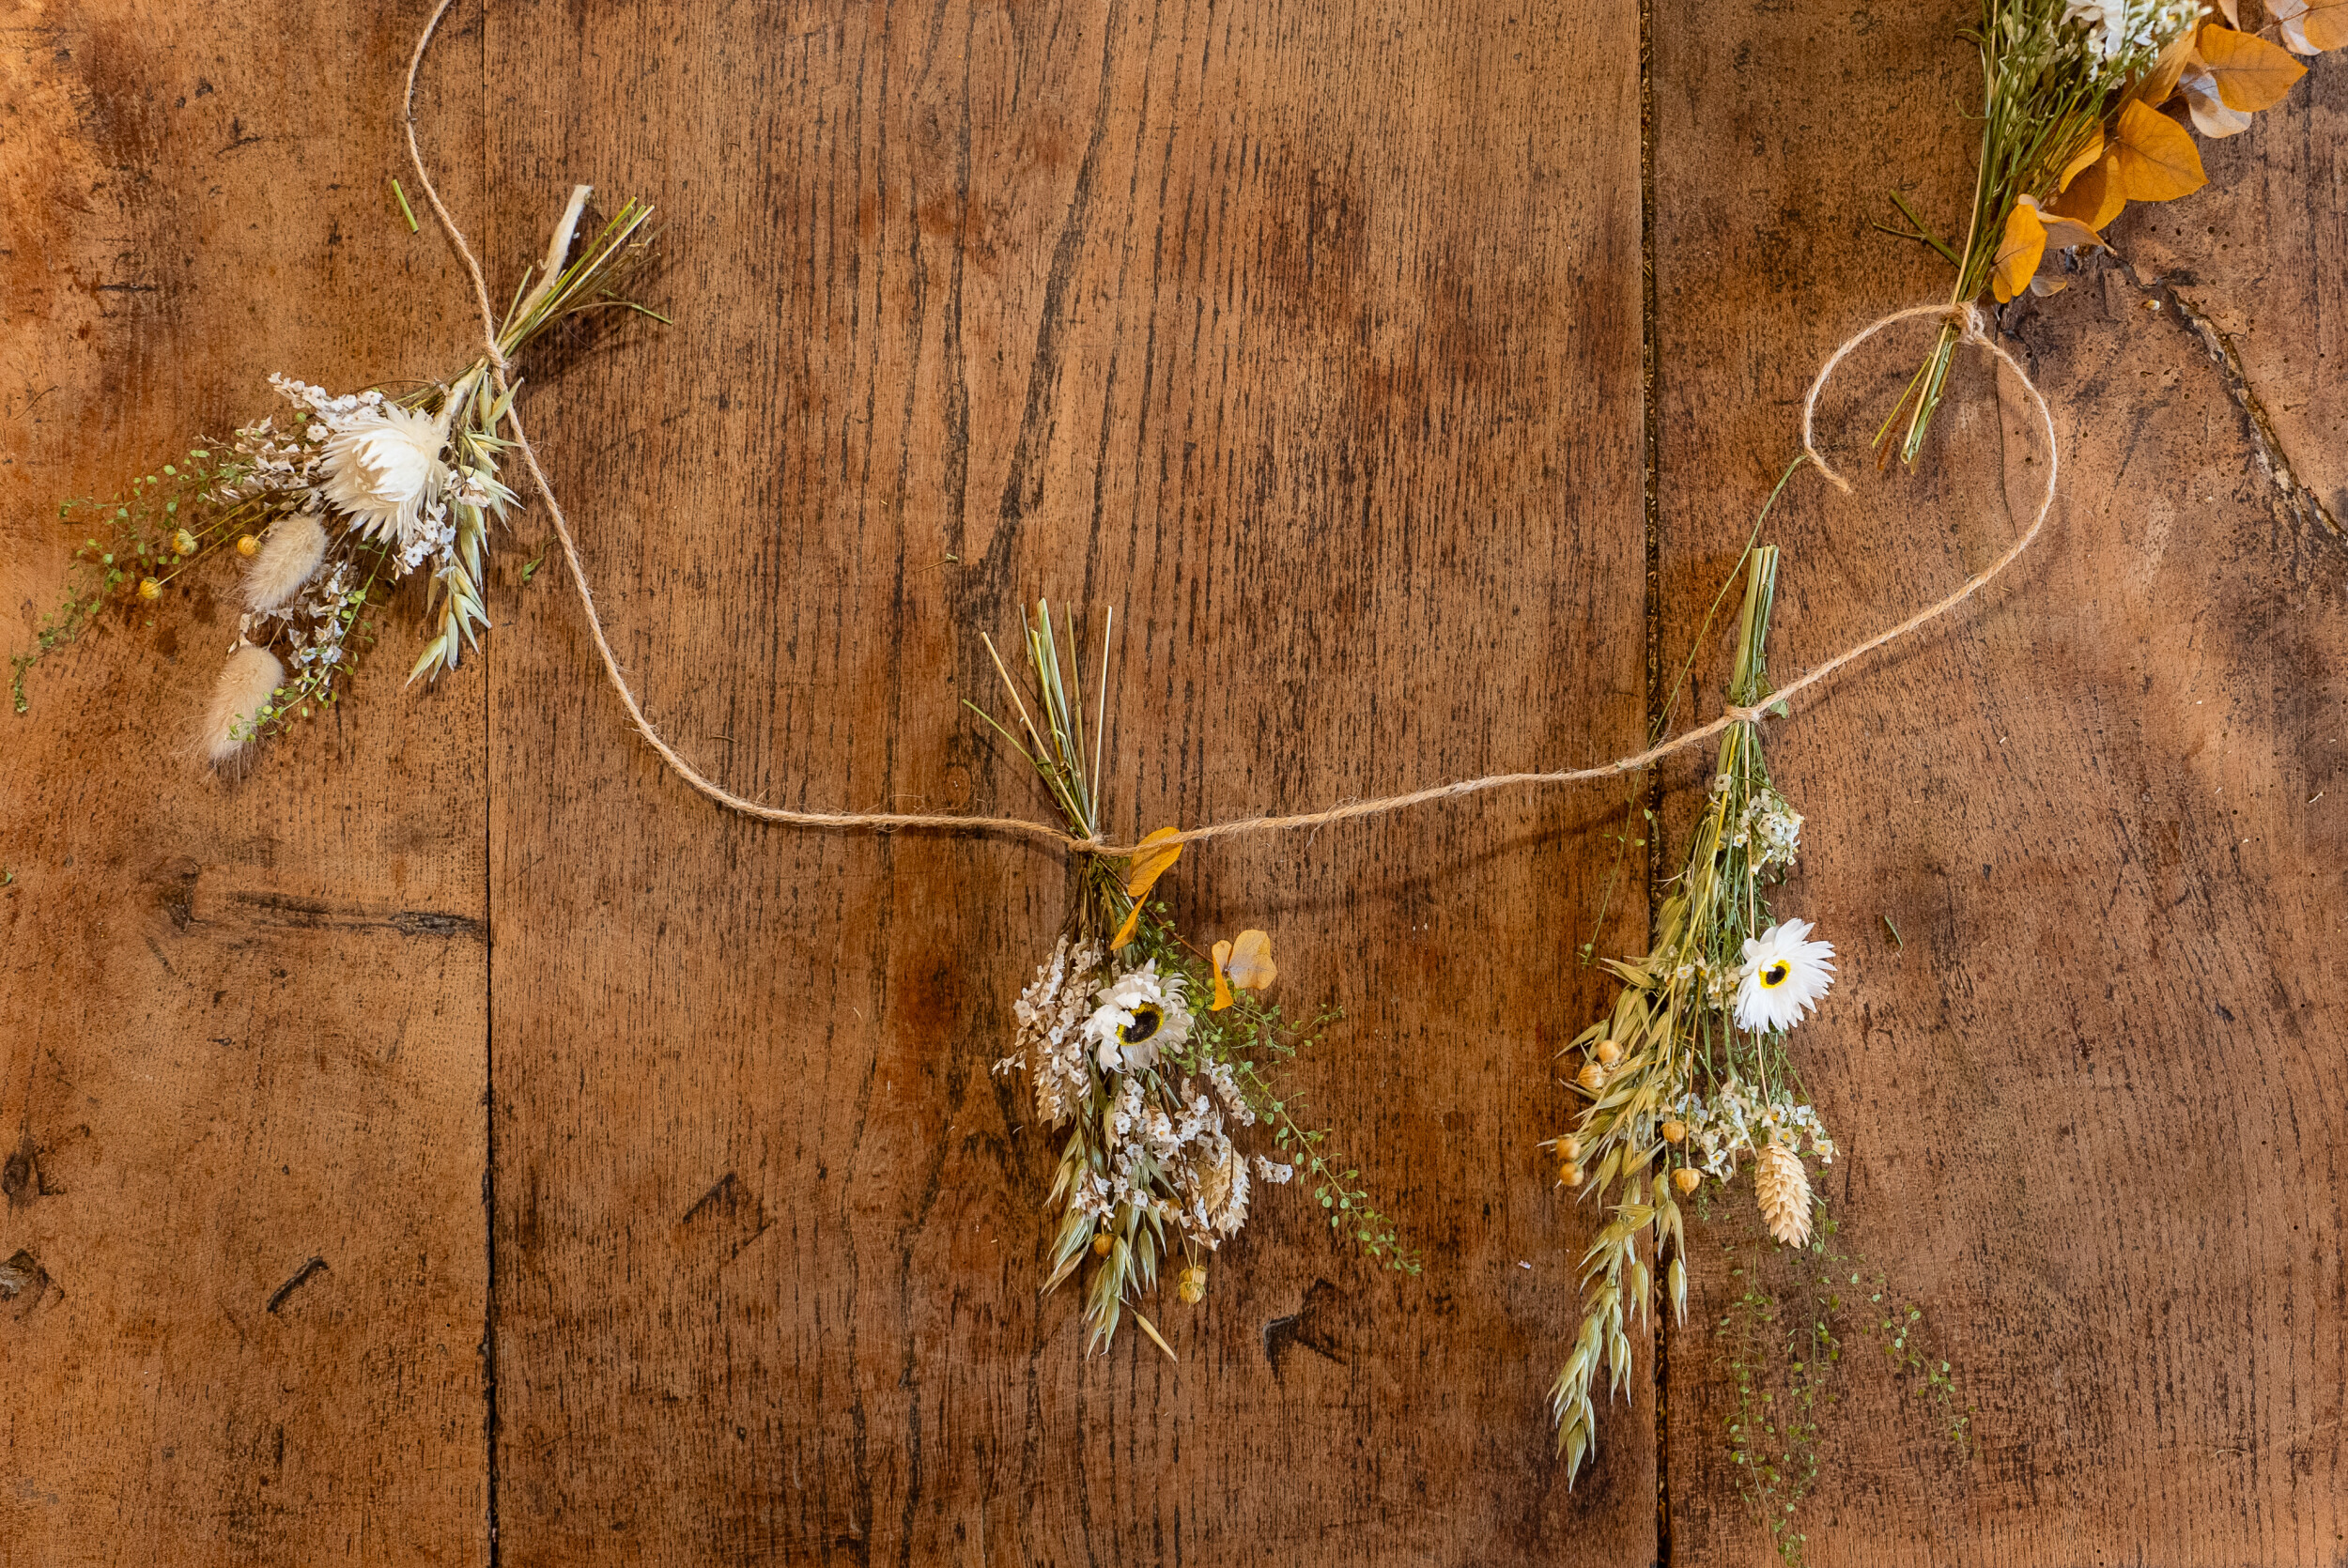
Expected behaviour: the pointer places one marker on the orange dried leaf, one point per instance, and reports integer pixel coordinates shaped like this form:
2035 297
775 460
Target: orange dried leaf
1249 964
2018 252
1125 932
2089 153
2251 73
2094 197
2157 159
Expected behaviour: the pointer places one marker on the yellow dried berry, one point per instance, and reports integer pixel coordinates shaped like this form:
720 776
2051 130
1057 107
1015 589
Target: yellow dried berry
183 543
1569 1150
1687 1178
1592 1077
1675 1132
1190 1285
1608 1053
1570 1175
150 590
1101 1243
248 545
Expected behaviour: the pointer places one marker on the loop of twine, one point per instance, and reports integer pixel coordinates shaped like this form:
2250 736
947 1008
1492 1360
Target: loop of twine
1969 316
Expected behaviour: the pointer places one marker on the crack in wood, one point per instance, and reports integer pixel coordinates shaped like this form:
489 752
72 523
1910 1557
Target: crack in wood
2297 500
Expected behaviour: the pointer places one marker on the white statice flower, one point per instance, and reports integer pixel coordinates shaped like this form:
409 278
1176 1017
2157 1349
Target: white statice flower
1272 1171
1140 1013
1771 831
1048 1044
1782 977
382 467
1735 1121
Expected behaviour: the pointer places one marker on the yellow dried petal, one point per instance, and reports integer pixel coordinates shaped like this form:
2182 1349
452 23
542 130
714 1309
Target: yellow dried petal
1222 989
1250 965
1148 865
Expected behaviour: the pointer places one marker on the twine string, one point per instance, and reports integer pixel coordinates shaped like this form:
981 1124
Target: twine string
1970 318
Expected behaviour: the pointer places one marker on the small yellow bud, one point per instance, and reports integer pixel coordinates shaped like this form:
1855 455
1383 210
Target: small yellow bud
1592 1077
183 543
1570 1149
248 545
1608 1053
1101 1243
1570 1175
1675 1132
150 590
1687 1178
1190 1285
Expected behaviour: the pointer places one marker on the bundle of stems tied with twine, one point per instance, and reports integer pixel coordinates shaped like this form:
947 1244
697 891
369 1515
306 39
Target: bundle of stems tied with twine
2085 108
333 507
1687 1080
1158 1060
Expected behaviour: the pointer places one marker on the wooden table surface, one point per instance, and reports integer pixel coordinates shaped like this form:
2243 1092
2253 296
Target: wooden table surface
455 1141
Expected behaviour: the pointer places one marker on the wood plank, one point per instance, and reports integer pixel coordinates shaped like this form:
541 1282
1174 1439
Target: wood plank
2092 1100
1307 338
242 1271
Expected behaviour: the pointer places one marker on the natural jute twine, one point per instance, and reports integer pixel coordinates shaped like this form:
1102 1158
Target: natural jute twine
888 821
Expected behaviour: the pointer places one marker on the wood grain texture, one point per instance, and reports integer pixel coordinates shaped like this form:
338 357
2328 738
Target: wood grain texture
2092 1103
1307 339
242 1247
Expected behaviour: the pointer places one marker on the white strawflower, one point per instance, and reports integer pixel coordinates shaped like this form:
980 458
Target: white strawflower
1782 978
383 467
1141 1012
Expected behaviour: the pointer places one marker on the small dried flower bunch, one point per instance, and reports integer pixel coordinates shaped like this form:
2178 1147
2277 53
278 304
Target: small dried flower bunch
1163 1066
2087 102
331 506
1687 1079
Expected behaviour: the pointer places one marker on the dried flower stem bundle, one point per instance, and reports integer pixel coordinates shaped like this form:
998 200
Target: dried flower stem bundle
1155 1059
349 496
2080 118
1688 1076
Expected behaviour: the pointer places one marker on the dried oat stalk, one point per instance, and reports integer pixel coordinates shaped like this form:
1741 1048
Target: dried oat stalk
1688 1076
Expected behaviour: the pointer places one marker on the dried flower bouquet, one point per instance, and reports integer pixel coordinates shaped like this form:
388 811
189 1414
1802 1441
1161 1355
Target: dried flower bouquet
1688 1077
1160 1063
333 507
2082 100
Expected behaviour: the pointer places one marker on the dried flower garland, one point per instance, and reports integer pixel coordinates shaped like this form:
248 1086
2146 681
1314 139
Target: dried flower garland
2082 118
1687 1079
334 506
1156 1060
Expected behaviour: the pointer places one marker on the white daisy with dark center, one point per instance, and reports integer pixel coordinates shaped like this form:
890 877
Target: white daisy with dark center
1782 978
1140 1014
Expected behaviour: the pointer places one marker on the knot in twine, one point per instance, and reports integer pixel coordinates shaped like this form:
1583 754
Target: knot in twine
1968 316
